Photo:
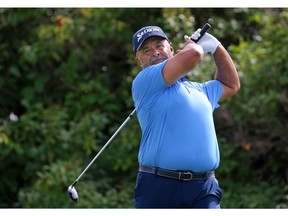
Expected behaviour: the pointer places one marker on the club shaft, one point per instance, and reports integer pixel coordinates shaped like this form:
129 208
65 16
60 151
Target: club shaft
103 148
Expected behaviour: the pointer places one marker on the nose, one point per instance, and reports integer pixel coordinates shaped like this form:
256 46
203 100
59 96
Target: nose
156 52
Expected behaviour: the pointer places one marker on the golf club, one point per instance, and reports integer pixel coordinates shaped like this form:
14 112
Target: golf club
204 29
72 192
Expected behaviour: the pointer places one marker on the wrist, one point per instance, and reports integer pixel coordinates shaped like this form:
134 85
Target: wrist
216 45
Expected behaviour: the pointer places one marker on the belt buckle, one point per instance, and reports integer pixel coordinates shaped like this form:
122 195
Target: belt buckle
186 173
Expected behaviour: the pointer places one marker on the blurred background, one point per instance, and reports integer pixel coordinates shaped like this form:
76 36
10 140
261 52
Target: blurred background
65 87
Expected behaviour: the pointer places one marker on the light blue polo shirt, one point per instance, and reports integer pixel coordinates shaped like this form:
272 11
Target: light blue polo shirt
177 124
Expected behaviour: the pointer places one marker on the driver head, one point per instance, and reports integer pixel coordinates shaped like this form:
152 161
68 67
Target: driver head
73 193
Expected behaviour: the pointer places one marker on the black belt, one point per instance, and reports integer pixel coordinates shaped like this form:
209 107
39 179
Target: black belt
180 175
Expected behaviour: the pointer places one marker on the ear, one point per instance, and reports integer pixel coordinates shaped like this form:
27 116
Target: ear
171 48
139 62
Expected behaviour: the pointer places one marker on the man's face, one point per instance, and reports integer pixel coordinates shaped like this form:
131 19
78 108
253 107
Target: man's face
153 51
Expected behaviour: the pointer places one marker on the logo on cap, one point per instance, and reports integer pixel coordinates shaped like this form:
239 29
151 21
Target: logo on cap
145 31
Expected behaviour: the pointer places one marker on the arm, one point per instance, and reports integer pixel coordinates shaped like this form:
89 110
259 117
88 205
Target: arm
226 72
180 64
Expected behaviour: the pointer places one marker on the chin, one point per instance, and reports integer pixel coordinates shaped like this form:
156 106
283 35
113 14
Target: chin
157 62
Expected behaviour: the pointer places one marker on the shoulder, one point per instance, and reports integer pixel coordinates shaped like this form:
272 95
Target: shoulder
150 73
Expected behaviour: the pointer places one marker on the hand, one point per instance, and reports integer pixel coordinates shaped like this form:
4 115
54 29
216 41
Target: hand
208 42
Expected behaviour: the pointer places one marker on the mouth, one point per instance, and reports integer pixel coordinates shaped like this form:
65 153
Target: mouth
158 60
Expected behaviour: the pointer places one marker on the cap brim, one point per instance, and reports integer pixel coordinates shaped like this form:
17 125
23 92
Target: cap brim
139 47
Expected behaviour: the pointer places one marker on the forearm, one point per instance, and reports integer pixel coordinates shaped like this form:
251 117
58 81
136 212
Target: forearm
226 71
180 64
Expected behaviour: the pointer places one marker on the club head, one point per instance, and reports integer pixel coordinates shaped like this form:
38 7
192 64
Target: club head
73 193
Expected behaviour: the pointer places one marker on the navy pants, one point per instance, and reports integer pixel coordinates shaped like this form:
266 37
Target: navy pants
154 191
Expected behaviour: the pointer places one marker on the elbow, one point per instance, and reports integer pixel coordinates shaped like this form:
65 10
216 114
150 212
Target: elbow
230 90
198 53
195 57
237 86
195 53
191 56
234 89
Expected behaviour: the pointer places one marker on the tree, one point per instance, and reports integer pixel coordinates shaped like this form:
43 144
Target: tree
65 88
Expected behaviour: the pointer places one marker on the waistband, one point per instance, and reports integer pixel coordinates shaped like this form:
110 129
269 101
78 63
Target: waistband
179 175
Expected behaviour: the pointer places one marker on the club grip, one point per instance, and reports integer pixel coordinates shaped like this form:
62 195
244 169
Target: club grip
204 29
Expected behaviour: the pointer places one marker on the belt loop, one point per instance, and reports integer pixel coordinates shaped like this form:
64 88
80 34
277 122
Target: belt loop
156 170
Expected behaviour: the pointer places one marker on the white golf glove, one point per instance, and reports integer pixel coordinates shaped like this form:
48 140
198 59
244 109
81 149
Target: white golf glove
208 42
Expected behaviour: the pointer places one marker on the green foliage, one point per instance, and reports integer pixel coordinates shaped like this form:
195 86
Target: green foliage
242 184
66 74
264 90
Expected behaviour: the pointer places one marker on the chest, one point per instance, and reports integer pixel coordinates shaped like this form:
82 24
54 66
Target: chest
185 98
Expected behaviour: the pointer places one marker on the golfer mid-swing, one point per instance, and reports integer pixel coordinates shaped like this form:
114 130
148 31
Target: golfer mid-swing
179 150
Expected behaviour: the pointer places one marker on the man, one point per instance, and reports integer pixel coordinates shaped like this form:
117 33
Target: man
179 151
